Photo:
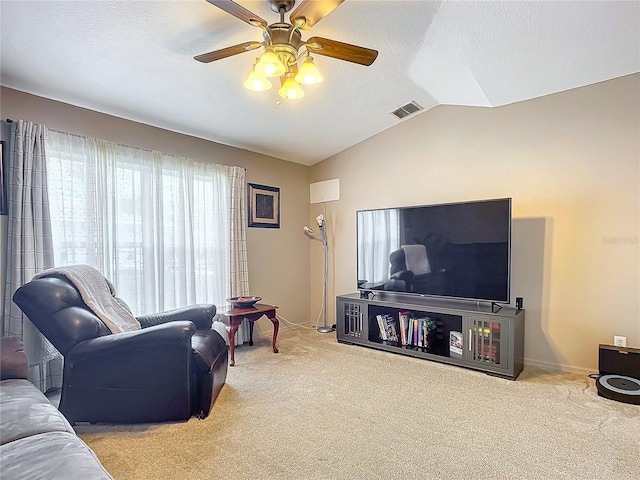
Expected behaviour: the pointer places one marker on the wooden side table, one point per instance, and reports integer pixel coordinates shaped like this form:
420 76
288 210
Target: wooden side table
233 317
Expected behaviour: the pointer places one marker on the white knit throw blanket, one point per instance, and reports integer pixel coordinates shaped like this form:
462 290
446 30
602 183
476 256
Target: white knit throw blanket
95 292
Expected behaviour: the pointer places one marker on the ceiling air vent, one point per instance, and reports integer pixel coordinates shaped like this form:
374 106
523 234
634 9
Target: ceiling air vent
406 110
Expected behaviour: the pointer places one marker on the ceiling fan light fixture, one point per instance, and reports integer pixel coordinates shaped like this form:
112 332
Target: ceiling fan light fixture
270 65
308 73
291 89
283 45
257 82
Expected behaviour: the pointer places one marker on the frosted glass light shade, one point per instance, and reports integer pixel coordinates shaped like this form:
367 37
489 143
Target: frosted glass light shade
270 65
291 89
257 82
308 73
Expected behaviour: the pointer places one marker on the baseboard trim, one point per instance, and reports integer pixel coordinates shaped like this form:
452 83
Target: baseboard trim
528 362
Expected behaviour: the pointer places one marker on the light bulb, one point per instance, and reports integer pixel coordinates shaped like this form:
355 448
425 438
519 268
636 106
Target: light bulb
308 73
291 89
257 82
270 65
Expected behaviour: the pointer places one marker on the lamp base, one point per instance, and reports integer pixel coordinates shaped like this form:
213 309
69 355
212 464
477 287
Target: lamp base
324 329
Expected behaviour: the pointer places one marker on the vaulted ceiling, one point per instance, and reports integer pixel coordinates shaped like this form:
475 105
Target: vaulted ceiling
134 59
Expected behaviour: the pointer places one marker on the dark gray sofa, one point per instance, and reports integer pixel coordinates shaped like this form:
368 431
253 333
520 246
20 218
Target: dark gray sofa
36 440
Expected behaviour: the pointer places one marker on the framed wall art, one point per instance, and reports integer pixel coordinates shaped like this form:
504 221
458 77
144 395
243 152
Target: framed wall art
264 206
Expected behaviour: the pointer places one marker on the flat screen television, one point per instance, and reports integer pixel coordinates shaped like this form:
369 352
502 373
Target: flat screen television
454 250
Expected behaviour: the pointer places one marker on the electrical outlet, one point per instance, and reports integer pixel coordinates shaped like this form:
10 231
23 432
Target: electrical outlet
620 341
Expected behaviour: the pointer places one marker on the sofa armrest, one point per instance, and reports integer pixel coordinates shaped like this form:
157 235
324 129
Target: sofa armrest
13 360
200 315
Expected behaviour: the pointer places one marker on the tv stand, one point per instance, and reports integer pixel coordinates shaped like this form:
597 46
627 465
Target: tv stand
471 335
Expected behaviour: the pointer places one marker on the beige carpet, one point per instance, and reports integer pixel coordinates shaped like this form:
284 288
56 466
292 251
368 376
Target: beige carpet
323 410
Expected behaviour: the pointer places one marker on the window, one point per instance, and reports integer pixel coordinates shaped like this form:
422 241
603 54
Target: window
156 225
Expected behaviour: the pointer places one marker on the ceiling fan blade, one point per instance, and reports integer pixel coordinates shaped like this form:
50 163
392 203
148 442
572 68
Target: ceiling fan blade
342 51
227 52
312 11
239 11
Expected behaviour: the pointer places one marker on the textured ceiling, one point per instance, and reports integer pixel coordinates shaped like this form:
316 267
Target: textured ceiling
135 60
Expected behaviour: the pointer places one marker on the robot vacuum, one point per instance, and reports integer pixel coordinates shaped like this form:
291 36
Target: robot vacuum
619 377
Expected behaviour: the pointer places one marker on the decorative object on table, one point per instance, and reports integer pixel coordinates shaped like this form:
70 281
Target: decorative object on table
264 206
243 302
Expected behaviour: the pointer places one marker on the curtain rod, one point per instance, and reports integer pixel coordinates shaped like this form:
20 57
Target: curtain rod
8 120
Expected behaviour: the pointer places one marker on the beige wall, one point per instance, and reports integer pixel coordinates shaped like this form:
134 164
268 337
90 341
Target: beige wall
570 161
278 258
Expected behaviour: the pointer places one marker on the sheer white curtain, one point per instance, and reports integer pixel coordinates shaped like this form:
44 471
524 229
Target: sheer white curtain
379 232
158 226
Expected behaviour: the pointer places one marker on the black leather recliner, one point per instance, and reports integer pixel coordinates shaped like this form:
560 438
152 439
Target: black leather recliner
171 369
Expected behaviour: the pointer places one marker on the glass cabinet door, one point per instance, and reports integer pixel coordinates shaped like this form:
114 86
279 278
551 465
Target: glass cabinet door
488 339
350 319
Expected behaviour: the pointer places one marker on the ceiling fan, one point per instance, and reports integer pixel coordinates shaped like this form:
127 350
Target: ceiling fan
284 47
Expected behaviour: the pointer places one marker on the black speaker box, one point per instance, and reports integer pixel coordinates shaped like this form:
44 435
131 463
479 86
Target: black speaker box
619 374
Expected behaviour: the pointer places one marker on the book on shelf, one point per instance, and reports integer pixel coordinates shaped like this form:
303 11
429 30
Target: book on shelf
381 326
455 344
413 329
425 333
403 320
421 328
392 331
388 327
